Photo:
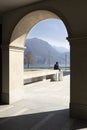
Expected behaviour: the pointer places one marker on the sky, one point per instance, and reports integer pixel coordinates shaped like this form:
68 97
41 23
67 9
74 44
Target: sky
51 30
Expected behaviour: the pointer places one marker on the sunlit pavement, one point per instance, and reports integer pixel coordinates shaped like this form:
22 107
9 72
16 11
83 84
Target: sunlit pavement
45 106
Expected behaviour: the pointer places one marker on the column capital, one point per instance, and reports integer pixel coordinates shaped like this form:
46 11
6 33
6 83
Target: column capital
7 47
4 47
77 38
17 48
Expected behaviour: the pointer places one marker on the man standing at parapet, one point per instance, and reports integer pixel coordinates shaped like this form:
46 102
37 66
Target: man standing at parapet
59 75
56 66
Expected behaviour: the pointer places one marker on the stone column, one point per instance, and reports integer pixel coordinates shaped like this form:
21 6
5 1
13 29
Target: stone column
0 73
12 73
78 84
5 74
16 73
0 61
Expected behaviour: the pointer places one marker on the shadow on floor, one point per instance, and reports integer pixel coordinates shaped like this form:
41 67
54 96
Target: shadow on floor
53 120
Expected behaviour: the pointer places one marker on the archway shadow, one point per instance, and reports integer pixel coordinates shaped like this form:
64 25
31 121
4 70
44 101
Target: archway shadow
52 120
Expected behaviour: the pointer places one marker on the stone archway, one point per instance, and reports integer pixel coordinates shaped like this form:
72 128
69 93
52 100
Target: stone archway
26 23
16 52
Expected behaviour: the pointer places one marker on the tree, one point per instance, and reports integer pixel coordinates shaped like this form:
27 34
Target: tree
29 59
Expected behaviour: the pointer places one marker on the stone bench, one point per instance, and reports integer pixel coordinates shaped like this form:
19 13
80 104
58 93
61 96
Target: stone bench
53 76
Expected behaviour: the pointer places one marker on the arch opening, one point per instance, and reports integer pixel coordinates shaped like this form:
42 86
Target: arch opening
25 25
16 51
45 44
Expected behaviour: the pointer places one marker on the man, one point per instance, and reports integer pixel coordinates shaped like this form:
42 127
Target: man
56 66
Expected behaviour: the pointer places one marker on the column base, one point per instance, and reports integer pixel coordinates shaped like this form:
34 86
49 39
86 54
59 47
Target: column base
16 95
78 111
5 98
13 96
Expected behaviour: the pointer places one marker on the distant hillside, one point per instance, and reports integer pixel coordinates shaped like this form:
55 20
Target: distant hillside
61 49
43 53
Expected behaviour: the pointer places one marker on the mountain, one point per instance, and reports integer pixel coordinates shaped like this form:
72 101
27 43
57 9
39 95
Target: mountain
61 49
42 52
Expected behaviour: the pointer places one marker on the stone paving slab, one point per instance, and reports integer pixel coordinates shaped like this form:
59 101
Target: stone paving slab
45 106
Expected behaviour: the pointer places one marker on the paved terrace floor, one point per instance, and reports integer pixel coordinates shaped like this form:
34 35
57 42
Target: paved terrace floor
45 106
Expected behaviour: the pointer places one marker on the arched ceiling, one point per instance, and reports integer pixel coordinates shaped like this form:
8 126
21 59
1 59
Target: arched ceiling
26 23
6 5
